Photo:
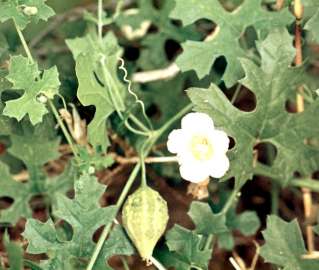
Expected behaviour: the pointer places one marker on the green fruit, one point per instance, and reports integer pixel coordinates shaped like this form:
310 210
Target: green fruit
145 216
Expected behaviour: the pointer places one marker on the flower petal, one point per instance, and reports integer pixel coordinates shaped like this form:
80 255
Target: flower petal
176 141
220 141
197 122
193 173
219 166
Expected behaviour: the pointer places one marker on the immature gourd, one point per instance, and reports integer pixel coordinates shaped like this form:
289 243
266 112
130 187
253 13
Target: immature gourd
145 217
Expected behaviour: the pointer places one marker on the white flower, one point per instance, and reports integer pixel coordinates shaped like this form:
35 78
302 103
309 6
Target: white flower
200 148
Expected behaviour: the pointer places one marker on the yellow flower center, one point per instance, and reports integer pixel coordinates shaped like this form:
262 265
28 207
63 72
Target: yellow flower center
201 147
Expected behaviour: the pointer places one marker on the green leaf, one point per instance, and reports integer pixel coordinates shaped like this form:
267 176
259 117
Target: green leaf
118 244
187 245
225 41
97 160
22 192
4 48
313 27
247 223
205 220
18 10
84 45
43 235
34 149
90 92
187 248
153 44
272 83
85 216
98 87
15 253
34 146
285 246
27 77
60 184
174 92
19 192
222 225
171 259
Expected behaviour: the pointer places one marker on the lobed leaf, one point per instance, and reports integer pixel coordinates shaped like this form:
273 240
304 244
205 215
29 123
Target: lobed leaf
230 27
26 76
16 10
96 84
272 83
284 245
85 216
313 27
187 246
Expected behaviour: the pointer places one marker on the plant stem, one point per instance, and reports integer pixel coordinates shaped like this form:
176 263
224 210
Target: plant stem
118 103
156 135
125 264
134 130
274 198
113 89
157 264
100 21
24 43
133 160
309 183
175 118
144 182
231 200
118 8
138 122
209 240
108 227
64 130
54 110
236 93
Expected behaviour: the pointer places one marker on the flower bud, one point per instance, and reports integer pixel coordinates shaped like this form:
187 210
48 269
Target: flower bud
30 11
42 98
91 170
145 216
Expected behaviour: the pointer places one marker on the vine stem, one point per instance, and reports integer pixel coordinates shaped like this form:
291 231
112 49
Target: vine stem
155 136
24 43
53 108
309 183
231 200
64 130
118 8
130 160
175 118
158 265
275 189
236 93
118 103
108 227
100 21
306 193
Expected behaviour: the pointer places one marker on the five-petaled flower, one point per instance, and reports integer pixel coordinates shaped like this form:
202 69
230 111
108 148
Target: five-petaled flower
200 148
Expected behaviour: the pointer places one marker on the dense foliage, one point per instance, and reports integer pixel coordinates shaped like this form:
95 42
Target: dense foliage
91 90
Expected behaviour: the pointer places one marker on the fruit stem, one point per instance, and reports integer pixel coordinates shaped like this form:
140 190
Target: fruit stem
151 141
